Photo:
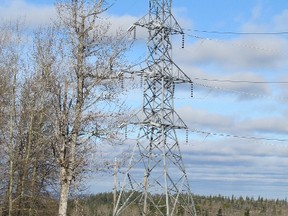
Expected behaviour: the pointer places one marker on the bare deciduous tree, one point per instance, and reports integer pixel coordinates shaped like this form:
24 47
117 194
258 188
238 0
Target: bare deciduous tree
25 159
61 97
87 94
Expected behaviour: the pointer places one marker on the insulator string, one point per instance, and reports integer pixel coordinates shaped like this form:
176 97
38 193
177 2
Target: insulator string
134 33
192 90
122 82
141 80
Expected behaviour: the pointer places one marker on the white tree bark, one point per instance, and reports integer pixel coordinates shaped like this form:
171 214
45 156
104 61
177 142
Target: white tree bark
93 52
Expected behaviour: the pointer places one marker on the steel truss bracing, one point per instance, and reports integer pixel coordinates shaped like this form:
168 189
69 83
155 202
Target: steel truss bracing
156 180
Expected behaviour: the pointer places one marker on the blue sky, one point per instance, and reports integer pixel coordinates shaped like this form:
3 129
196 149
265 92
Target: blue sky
217 163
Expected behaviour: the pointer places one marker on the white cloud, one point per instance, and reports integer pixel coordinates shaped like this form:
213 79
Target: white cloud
254 164
267 125
196 118
239 53
33 15
219 82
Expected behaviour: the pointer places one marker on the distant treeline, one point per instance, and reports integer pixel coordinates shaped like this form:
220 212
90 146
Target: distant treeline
102 205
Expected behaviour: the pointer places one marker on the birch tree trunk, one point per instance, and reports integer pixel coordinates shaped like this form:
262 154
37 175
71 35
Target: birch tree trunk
11 146
92 53
12 66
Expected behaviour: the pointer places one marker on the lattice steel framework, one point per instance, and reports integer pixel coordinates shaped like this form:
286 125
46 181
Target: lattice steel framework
164 187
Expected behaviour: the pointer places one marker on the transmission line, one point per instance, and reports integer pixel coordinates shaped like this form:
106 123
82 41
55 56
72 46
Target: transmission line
245 45
239 33
241 92
240 81
238 136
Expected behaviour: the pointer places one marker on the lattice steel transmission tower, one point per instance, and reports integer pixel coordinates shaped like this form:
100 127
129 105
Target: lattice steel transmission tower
156 179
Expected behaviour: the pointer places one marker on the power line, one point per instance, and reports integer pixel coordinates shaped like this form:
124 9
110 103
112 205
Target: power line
239 33
238 136
245 45
241 81
241 92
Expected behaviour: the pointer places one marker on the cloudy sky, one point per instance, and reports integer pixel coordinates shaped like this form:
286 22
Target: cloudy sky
236 52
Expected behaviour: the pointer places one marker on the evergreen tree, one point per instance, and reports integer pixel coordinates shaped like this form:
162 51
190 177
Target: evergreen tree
247 212
219 212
